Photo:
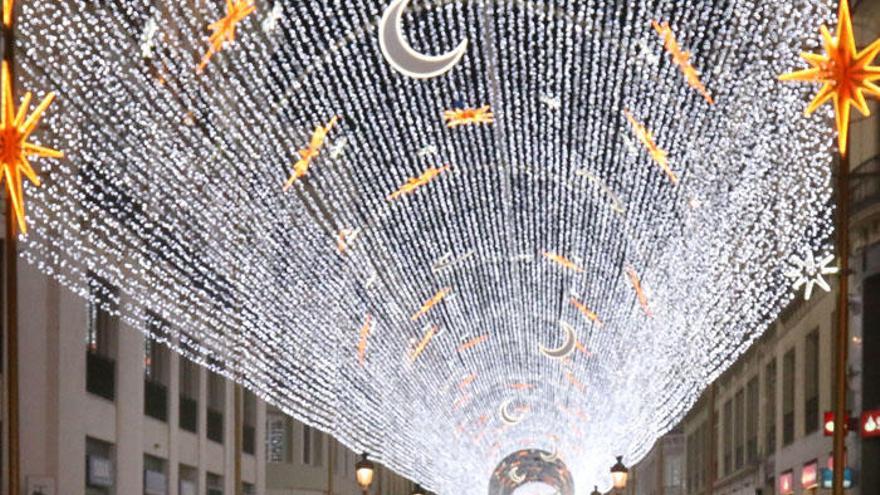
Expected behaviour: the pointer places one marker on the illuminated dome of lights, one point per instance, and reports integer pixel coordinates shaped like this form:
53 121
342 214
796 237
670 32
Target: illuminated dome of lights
566 278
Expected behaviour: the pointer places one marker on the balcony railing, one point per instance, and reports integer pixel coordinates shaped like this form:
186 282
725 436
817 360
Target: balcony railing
100 376
865 184
215 426
189 414
155 400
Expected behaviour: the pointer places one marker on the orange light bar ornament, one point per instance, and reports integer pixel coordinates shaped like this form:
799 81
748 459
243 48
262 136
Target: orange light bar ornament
14 132
682 59
845 73
563 262
587 312
224 28
430 303
362 343
470 344
647 139
8 8
309 153
414 183
640 292
423 344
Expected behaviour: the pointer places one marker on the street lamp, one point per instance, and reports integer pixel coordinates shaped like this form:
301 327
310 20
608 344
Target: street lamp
595 491
619 473
363 472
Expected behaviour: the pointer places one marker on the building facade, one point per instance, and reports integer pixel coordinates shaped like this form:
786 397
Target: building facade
105 410
759 428
661 471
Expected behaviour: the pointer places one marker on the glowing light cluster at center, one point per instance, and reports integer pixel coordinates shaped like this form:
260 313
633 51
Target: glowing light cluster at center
553 246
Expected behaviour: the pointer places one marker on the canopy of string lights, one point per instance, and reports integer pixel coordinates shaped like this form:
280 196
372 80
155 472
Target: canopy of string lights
554 243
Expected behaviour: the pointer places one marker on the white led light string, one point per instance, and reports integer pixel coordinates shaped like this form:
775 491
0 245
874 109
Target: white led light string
290 329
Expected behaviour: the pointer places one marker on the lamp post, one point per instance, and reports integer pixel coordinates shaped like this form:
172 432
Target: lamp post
10 281
363 472
619 474
595 491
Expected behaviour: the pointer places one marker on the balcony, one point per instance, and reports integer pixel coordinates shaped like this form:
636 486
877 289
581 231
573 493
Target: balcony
100 376
155 400
215 426
189 414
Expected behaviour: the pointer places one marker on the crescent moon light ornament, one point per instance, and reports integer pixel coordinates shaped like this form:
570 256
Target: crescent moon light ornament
551 458
506 416
567 348
514 475
401 56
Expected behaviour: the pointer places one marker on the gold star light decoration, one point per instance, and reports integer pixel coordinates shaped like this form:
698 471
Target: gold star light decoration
468 116
845 73
224 29
15 129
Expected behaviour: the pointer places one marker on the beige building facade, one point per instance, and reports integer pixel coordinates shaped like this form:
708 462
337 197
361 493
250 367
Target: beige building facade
104 410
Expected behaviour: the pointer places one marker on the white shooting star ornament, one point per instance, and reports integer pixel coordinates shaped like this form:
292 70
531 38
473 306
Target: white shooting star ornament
427 151
270 22
148 38
809 272
338 148
552 102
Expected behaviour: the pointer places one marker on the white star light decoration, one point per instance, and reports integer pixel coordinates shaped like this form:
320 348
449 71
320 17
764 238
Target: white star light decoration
808 272
270 22
171 192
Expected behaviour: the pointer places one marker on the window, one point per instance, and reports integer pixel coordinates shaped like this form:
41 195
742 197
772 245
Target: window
189 480
752 421
101 329
318 448
216 405
155 476
739 422
690 456
716 425
156 369
248 489
278 449
307 445
672 476
788 397
811 382
728 437
100 476
214 483
770 407
249 426
703 446
103 321
189 373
